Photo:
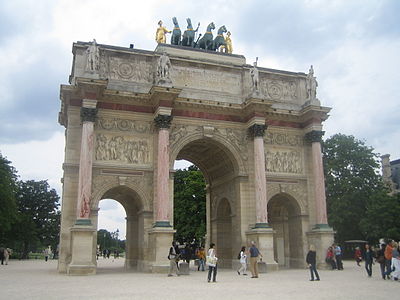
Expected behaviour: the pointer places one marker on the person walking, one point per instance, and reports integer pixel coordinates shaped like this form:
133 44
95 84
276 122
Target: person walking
7 253
358 256
311 260
172 256
388 258
254 254
380 258
369 259
201 255
243 261
212 263
330 258
396 262
338 256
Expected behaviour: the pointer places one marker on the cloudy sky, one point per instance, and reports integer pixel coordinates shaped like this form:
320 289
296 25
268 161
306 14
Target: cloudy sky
354 46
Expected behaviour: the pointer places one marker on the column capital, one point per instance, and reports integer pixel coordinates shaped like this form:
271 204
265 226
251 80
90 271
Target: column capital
163 121
257 130
88 114
314 136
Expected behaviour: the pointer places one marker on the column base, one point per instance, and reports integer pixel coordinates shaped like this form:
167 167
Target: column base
262 225
83 260
264 239
321 236
160 240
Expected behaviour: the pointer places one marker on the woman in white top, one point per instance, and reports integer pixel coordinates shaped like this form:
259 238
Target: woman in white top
212 263
243 261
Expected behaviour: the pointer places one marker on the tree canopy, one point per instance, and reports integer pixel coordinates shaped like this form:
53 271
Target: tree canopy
8 208
189 204
355 190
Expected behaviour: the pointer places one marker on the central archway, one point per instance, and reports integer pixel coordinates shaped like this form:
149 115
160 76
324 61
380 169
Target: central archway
132 204
220 169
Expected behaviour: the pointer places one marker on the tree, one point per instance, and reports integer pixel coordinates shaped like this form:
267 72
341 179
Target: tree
352 181
189 204
381 219
109 240
38 219
8 208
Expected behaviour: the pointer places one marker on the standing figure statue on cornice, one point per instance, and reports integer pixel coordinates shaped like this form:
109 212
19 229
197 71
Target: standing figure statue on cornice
163 68
160 33
254 77
176 33
93 57
311 84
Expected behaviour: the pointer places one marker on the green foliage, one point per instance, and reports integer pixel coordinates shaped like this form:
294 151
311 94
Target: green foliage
189 204
381 219
109 240
8 208
352 182
38 218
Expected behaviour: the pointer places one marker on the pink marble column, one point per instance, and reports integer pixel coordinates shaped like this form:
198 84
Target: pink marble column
163 213
88 116
260 182
318 173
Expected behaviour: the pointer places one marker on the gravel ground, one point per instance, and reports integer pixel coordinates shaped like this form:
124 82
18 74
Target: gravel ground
37 279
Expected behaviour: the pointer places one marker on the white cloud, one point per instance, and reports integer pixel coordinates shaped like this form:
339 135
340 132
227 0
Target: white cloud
38 160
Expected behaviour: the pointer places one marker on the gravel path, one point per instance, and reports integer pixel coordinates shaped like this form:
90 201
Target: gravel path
37 279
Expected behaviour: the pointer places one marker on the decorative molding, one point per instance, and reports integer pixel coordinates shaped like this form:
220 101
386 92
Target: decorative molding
123 125
88 114
314 136
277 138
163 121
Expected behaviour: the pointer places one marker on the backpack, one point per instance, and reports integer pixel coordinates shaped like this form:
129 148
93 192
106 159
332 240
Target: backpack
239 256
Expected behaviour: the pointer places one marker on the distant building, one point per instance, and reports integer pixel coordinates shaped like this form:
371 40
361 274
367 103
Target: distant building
391 173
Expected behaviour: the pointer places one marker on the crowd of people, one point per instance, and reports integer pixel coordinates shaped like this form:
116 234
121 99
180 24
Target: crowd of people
387 256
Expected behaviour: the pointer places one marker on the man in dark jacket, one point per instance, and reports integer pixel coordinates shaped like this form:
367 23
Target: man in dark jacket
311 260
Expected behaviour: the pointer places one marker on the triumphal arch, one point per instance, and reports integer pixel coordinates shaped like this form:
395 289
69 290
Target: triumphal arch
254 132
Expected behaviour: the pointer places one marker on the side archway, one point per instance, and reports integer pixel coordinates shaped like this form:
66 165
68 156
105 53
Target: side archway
284 216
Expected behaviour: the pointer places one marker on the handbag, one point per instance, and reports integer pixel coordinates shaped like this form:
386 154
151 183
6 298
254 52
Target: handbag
211 261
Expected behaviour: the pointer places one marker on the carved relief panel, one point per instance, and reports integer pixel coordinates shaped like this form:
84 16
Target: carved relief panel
287 159
130 68
124 149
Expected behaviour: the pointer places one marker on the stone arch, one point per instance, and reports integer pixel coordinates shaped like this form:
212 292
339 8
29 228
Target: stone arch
231 150
102 184
295 192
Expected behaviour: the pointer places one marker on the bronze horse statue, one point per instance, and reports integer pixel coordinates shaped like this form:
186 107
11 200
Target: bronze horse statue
219 39
188 35
206 42
176 33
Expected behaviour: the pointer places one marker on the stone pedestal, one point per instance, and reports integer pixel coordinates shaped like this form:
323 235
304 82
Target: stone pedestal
160 240
321 238
262 267
83 260
264 238
183 268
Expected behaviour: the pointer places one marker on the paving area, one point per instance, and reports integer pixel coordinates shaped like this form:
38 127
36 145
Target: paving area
37 279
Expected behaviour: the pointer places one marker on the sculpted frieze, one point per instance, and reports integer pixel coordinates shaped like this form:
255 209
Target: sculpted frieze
283 161
122 149
122 125
277 138
132 69
279 89
237 138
